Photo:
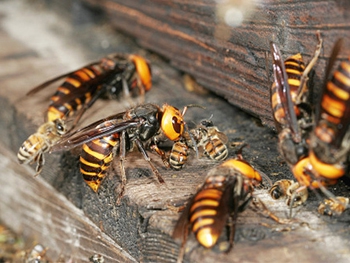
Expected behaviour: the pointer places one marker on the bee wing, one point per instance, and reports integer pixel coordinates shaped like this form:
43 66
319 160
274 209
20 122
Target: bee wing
228 206
333 57
182 224
223 137
99 129
50 81
283 91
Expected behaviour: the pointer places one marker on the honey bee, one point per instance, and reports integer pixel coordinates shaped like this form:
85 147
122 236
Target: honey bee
295 195
97 258
213 142
108 77
332 206
205 136
319 157
143 126
37 254
226 191
37 144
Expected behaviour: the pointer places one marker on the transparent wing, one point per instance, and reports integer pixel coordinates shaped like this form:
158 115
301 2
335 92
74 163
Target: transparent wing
50 81
283 91
111 125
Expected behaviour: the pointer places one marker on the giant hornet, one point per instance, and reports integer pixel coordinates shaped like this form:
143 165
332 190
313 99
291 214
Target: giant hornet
206 136
318 157
108 77
227 190
144 125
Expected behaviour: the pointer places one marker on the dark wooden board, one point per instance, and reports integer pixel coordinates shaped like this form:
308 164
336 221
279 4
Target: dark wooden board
231 60
142 224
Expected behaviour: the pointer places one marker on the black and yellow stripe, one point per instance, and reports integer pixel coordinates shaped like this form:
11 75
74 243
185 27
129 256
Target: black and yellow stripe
61 107
332 127
96 158
335 104
295 67
203 210
30 148
226 191
178 155
215 148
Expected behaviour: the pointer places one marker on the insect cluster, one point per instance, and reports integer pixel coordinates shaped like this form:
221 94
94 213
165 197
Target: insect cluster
315 143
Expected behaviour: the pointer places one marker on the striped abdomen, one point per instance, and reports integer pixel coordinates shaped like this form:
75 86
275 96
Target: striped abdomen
178 155
330 140
294 68
40 142
204 209
68 99
335 107
96 158
215 148
31 148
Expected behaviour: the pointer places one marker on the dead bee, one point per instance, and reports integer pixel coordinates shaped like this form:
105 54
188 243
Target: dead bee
332 206
97 258
289 189
36 255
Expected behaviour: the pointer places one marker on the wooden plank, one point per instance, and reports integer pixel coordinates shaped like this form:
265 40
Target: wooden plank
33 207
231 60
142 224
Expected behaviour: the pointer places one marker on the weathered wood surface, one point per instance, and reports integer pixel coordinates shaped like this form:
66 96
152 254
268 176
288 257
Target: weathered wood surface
142 224
37 211
231 60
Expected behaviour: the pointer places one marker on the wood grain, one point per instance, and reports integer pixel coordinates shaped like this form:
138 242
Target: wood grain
142 224
33 207
231 61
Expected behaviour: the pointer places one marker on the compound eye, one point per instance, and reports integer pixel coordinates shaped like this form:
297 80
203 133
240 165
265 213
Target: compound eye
207 123
276 194
60 128
172 122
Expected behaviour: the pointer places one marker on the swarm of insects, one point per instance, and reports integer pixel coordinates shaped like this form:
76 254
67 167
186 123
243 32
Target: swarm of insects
143 126
109 77
317 147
